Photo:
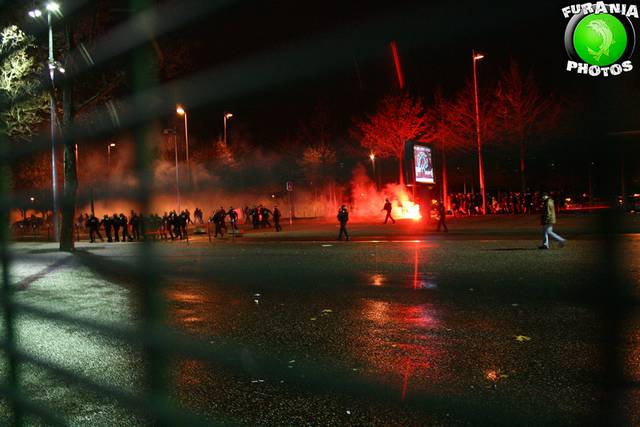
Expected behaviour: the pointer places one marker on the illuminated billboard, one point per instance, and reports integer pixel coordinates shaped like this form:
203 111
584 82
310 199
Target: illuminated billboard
423 164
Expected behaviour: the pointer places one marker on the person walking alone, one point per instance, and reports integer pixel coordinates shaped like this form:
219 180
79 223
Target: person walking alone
548 219
442 217
387 207
343 218
276 218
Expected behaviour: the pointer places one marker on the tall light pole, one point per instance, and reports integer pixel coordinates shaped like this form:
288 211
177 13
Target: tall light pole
109 147
226 117
175 147
372 156
476 57
181 111
52 7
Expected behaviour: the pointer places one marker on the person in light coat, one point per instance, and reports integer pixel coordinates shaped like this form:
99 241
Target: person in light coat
548 219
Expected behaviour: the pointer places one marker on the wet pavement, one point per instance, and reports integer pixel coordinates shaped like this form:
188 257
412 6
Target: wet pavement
422 331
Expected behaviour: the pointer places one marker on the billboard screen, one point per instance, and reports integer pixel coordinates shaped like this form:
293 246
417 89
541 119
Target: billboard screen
423 164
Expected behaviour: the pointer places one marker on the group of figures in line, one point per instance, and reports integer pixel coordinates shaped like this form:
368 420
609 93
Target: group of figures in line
116 227
259 217
173 225
501 203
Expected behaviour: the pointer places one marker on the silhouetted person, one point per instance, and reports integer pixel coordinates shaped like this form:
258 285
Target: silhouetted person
115 221
276 218
255 217
107 224
247 214
93 224
218 222
233 218
165 226
174 229
442 217
135 226
387 207
124 223
183 220
343 218
264 214
197 216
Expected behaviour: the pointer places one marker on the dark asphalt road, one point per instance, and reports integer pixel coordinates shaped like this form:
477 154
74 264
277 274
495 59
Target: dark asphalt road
423 331
494 328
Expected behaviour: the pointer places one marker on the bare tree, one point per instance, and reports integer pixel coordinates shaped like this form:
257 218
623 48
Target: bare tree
318 161
398 119
524 111
438 118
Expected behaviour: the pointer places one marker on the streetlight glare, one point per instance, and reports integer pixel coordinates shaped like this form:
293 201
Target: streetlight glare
372 156
61 69
180 110
53 6
478 56
112 144
228 115
35 13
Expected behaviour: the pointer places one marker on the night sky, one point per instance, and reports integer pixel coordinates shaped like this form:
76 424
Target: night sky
343 61
434 40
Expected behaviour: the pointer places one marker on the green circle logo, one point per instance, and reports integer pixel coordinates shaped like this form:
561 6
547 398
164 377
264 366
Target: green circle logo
600 39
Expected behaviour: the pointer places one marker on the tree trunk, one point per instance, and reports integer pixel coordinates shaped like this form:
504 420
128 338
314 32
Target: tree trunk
70 172
523 183
445 195
401 170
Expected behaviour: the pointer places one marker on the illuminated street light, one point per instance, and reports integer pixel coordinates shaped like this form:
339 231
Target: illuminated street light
372 156
226 117
181 111
168 132
109 147
476 57
52 7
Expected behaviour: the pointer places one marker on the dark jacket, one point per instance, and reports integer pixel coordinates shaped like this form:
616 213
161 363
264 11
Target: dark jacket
343 215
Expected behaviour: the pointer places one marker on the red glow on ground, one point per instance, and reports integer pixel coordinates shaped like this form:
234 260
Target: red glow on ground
415 268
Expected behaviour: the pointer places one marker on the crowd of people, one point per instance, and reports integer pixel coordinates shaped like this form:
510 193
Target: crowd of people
173 225
510 203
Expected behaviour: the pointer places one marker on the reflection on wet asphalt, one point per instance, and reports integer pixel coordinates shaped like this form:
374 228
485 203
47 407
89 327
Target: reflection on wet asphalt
514 330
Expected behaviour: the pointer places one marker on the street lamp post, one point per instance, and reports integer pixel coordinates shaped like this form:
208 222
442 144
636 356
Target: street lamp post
52 7
181 111
476 57
175 147
226 117
109 147
372 156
